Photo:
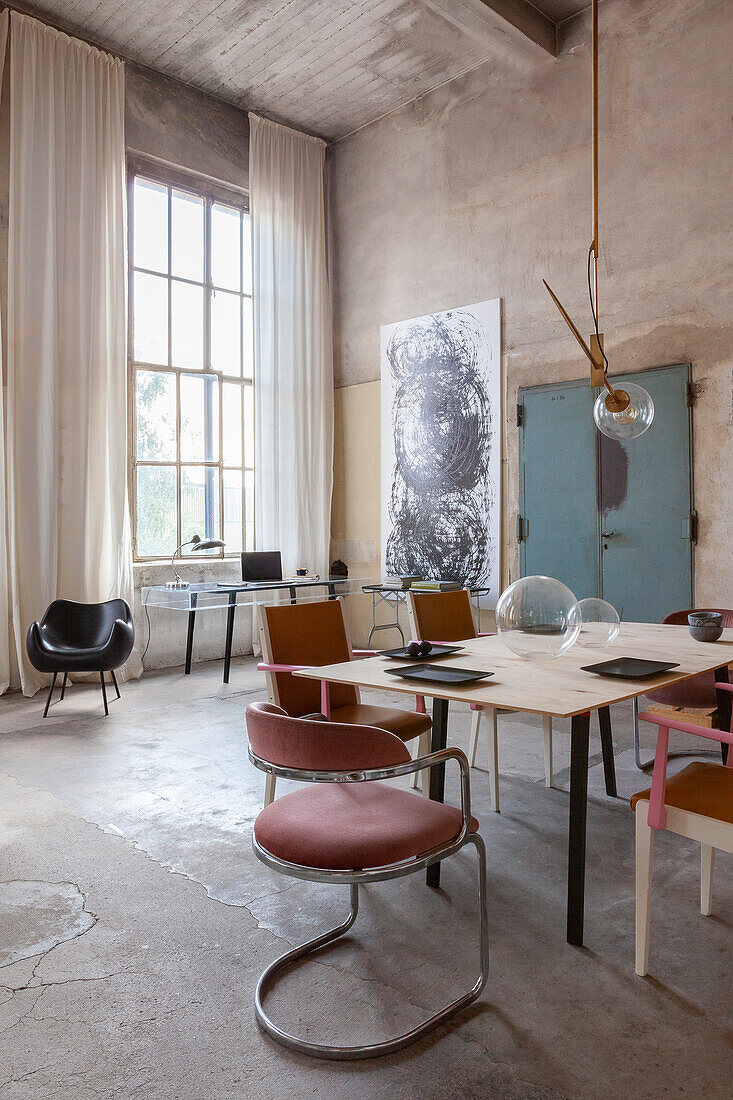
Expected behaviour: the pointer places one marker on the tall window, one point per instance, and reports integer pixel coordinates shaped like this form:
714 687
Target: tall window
191 357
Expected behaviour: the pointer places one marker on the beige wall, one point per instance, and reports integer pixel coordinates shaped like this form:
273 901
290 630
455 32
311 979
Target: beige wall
483 187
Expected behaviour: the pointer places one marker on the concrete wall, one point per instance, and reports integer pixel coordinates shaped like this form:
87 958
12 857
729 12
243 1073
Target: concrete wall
175 123
481 188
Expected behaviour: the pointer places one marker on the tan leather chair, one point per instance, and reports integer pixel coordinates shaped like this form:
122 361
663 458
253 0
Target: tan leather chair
314 633
448 617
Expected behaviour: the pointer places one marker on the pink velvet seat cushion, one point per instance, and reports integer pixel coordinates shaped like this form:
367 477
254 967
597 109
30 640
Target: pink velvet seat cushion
353 826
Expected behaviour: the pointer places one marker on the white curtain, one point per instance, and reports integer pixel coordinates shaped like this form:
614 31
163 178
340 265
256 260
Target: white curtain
4 592
293 356
67 393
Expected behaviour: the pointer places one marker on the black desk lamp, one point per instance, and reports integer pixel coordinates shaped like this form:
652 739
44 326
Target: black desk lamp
197 543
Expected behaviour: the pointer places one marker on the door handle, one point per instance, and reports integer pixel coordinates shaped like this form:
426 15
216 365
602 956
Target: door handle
607 534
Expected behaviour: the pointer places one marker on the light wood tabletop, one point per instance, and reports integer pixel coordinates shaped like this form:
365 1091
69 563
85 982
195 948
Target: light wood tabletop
557 687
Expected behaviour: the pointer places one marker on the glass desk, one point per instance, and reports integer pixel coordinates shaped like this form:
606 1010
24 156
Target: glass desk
226 596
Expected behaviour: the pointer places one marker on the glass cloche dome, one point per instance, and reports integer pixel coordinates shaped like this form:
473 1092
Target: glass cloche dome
538 618
600 623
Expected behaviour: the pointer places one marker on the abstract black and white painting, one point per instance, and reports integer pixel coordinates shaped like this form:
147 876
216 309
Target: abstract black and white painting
441 446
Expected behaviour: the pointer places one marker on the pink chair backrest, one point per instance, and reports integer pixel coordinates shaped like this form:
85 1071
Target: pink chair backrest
314 745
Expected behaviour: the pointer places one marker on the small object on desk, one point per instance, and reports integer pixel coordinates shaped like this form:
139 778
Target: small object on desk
196 543
705 626
435 586
439 674
409 579
407 653
630 668
301 572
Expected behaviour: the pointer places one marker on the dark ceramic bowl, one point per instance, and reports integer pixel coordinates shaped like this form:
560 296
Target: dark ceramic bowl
705 626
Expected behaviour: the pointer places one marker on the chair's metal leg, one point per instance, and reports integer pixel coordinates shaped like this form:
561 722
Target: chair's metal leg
643 767
114 681
389 1046
63 686
104 692
50 693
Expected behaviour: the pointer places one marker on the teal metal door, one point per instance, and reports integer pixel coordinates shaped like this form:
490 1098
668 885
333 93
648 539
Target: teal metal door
646 505
610 519
559 516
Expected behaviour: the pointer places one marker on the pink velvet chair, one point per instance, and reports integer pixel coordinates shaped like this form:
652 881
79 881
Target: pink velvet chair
347 826
696 803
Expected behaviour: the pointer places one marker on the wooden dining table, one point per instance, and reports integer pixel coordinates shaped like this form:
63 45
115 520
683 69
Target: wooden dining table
558 688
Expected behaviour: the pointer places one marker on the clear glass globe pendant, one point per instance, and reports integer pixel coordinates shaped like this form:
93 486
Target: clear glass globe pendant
620 420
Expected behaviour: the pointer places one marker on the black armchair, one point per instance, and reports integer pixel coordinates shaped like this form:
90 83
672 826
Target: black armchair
81 637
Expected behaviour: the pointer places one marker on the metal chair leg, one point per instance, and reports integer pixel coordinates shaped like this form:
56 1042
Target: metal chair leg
63 685
389 1046
50 693
643 767
114 681
104 692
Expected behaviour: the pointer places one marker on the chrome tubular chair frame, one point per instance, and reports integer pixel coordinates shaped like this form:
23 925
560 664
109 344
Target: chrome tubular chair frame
378 874
645 766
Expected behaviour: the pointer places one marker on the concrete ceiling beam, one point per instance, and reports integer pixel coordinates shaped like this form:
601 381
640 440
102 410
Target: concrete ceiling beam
518 20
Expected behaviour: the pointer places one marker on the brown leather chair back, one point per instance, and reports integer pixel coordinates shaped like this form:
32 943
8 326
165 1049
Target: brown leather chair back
310 633
679 618
700 690
442 616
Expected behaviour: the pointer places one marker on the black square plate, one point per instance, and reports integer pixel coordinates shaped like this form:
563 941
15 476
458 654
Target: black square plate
439 674
630 668
436 651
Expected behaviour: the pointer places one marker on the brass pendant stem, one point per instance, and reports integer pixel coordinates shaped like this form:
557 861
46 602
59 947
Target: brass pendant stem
595 139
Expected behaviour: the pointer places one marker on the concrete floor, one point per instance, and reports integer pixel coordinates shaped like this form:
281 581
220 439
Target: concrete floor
134 921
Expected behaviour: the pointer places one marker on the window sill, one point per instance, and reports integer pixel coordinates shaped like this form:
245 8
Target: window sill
147 573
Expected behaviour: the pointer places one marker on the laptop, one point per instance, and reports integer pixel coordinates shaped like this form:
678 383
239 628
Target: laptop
262 565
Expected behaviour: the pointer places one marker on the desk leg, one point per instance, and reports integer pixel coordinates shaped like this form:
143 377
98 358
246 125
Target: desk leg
189 639
609 764
438 741
725 705
230 635
331 591
293 595
576 832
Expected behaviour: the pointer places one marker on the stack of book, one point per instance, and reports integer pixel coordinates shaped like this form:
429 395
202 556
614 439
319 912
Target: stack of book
436 586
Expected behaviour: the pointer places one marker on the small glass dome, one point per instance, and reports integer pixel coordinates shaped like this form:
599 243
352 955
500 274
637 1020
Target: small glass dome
626 423
600 625
538 618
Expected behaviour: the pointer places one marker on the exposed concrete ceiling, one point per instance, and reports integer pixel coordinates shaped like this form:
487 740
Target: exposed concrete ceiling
326 66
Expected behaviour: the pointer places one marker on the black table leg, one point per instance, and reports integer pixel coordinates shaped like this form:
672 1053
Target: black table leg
331 591
189 639
576 834
230 635
725 705
609 764
438 741
293 595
